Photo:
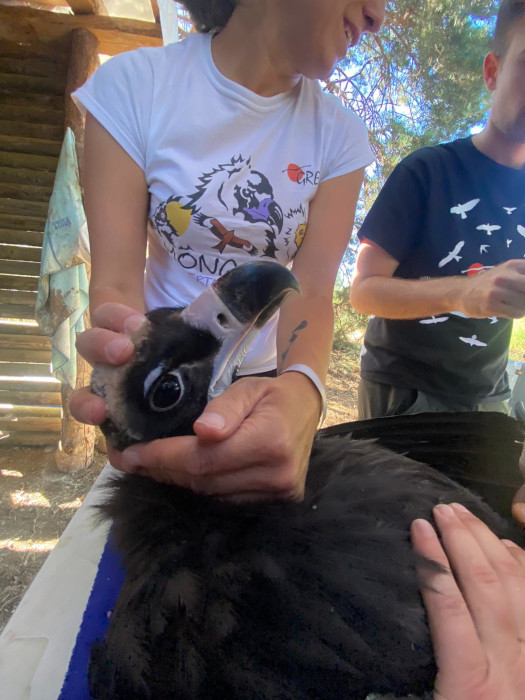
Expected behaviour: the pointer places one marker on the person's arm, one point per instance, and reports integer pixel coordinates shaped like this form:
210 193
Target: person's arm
496 292
254 440
116 200
306 321
476 613
116 203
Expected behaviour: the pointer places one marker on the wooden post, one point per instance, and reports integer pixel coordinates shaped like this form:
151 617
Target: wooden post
76 448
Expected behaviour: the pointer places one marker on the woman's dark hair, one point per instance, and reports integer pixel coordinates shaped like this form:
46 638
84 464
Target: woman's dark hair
509 12
208 15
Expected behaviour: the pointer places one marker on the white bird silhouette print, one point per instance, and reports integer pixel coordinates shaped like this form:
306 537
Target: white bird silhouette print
509 210
488 228
509 241
483 248
434 319
493 319
462 209
473 341
453 255
521 230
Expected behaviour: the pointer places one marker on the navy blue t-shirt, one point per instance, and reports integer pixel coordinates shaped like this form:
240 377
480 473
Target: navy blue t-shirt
445 210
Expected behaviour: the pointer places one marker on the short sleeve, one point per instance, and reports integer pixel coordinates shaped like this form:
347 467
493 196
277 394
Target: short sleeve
349 148
397 216
119 95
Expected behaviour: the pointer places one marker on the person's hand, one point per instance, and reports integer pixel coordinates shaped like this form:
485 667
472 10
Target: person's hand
251 442
107 343
496 292
477 619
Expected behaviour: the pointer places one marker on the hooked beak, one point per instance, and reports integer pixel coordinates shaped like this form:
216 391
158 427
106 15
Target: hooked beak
234 309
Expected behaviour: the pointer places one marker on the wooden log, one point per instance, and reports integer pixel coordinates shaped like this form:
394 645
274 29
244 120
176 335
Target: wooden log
28 161
19 237
28 144
17 190
29 356
26 398
115 34
16 328
25 206
9 96
84 60
37 411
22 176
17 311
24 369
77 444
28 284
30 387
17 298
33 114
23 223
24 424
21 341
13 438
19 82
20 267
49 132
155 9
38 66
11 255
50 52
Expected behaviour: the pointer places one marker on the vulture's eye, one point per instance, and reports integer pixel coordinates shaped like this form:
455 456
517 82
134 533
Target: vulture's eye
163 390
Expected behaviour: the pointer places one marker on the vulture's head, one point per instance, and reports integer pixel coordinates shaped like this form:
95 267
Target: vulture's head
185 357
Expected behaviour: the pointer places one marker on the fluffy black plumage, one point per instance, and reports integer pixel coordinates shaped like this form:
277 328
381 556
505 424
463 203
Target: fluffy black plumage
317 599
288 601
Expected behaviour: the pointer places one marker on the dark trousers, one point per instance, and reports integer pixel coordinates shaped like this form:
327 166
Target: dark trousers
376 400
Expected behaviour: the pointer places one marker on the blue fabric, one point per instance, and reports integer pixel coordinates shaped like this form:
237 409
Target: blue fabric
104 594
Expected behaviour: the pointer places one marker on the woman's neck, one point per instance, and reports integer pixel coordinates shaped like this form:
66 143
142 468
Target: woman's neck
246 52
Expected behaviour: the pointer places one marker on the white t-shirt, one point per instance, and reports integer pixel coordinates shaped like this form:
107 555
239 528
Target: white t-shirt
230 173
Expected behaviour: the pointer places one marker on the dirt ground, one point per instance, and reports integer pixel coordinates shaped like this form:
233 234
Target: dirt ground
37 501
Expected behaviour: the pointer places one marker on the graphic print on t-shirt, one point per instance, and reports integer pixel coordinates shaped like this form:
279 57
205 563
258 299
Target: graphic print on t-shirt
502 237
233 208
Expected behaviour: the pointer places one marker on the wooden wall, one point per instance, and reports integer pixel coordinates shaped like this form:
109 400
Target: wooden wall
43 57
32 86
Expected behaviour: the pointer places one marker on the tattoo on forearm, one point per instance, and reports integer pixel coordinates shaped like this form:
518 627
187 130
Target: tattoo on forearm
293 338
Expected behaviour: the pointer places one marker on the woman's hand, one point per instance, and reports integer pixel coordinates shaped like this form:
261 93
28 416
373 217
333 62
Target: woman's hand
477 615
251 442
107 343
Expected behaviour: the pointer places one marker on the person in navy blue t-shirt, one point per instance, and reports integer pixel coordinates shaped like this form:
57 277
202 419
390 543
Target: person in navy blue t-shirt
442 262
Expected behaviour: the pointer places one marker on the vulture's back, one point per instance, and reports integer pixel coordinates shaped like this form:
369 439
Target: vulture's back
317 599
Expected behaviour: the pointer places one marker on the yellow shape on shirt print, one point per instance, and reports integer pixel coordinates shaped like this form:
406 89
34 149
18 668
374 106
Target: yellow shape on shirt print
299 234
178 217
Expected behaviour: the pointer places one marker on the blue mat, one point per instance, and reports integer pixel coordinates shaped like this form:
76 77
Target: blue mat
104 594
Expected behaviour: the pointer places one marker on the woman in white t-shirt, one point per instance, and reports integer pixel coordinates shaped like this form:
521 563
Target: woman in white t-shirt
214 151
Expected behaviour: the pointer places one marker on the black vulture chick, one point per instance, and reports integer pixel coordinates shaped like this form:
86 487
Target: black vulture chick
281 600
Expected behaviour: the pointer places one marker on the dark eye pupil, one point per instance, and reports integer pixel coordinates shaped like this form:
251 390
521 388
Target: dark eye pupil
166 392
